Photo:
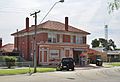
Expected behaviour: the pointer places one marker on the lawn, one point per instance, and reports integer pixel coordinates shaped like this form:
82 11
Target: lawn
115 64
24 71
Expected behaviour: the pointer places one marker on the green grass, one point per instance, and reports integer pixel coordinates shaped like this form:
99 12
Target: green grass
24 71
115 64
45 70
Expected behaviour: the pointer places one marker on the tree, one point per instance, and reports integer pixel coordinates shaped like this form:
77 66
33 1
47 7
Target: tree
103 42
112 44
95 43
114 5
108 45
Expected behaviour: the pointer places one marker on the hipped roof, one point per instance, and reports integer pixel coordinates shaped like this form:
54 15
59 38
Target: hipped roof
53 25
7 48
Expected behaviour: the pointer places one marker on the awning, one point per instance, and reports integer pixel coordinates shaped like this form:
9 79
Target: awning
79 49
82 55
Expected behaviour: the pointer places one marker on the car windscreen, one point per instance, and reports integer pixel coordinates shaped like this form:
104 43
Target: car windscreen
67 60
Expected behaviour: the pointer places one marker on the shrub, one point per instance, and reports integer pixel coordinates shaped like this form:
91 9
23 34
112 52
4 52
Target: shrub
10 61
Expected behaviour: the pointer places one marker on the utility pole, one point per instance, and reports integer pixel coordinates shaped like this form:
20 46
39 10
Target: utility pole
106 45
35 45
106 32
106 37
17 41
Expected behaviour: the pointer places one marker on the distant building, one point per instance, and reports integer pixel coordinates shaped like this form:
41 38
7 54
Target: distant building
112 56
8 50
0 43
96 53
54 40
0 46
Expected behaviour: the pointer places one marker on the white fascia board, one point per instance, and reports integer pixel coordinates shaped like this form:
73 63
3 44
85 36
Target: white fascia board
48 31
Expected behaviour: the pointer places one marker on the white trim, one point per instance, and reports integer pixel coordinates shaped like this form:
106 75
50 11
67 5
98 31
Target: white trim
48 31
43 63
42 57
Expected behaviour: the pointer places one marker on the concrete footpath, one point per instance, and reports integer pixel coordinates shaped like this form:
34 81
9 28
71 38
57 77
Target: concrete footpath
89 66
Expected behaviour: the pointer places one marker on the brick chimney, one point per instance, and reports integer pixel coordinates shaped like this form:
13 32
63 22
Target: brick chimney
27 39
27 24
0 42
66 23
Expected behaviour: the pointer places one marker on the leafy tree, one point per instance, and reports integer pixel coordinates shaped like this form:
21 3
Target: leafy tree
114 5
103 42
95 43
112 44
108 45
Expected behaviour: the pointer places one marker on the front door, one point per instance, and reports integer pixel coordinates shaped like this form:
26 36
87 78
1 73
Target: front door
43 57
76 56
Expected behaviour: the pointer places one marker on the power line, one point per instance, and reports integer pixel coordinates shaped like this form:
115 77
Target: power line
15 10
11 11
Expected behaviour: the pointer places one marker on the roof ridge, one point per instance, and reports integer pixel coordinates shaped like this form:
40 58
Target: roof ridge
64 24
55 25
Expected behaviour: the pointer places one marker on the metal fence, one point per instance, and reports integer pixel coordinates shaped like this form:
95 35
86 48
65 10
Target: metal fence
19 64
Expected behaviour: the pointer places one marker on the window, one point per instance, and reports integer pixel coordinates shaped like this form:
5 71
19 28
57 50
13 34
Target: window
84 39
72 40
67 53
49 37
54 54
52 38
79 40
66 38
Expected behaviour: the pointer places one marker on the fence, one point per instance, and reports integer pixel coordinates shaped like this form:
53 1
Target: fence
19 64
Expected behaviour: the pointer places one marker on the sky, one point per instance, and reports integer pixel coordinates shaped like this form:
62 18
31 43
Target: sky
88 15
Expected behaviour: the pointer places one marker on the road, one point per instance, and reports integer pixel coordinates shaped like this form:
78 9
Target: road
79 75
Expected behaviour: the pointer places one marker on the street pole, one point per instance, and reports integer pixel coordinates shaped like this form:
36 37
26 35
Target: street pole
35 15
61 1
35 45
17 41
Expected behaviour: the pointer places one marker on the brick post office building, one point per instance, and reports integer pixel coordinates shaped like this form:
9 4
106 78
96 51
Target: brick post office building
54 40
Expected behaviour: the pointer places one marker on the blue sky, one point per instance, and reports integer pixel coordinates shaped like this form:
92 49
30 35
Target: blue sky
88 15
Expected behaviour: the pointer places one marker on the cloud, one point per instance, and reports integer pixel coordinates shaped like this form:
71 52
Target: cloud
89 15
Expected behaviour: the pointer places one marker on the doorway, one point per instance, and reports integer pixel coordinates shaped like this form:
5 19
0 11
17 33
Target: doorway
76 56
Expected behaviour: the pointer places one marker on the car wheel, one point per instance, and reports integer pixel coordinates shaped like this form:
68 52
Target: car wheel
58 69
67 69
72 69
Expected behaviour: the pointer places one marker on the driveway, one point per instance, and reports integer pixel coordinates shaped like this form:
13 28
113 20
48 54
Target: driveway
79 75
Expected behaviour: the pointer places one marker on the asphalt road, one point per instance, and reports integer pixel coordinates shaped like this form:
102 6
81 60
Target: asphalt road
79 75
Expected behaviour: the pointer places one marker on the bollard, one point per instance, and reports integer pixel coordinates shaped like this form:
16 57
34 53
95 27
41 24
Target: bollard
29 71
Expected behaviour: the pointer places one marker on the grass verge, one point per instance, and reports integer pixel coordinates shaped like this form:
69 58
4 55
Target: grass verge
111 64
115 64
24 71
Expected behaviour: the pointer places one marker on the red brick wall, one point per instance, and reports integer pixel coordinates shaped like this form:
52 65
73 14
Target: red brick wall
24 47
22 43
42 37
0 42
27 41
